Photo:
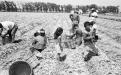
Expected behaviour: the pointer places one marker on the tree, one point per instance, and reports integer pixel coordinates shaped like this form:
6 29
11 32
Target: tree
68 8
112 9
8 6
93 6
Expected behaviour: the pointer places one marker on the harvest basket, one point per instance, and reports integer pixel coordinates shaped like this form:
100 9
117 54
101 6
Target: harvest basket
69 43
20 68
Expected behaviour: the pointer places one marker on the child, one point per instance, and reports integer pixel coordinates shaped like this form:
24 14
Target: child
78 35
94 30
59 48
57 36
88 41
74 25
40 40
58 32
75 17
93 14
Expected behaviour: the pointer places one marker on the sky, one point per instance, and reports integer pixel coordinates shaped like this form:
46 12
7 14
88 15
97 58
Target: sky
77 2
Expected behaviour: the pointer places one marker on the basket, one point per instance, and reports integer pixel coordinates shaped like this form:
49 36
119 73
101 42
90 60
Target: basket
20 68
69 43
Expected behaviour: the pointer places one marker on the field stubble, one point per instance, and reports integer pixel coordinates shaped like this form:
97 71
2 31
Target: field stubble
108 63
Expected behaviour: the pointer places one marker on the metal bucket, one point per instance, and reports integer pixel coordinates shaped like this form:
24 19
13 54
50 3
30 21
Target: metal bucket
20 68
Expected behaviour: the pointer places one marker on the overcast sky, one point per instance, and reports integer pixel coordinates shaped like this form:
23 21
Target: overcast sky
79 2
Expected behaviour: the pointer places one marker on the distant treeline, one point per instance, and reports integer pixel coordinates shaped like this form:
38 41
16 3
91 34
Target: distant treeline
10 6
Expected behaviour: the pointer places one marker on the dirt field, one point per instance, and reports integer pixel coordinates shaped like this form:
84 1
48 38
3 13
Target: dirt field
108 63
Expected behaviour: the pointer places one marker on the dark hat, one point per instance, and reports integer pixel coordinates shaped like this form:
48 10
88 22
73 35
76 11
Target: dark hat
86 23
92 22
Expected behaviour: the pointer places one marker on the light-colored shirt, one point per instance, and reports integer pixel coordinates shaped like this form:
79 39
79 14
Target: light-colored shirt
94 26
40 42
94 14
7 25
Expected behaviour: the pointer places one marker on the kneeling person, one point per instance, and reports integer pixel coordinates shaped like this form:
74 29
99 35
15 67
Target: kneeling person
8 28
40 41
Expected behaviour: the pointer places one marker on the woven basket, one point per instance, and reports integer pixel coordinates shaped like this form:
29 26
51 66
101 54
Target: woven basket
69 43
20 68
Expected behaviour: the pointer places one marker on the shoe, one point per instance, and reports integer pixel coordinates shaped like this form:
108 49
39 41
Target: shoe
90 55
62 58
87 58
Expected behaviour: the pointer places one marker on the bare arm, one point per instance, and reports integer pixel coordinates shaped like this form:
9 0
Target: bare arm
86 37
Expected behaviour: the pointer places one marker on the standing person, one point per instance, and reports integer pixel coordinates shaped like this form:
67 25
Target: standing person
71 15
58 37
75 18
88 41
93 14
94 30
8 28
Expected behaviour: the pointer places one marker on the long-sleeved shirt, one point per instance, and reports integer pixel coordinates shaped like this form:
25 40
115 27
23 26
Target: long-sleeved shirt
40 42
7 25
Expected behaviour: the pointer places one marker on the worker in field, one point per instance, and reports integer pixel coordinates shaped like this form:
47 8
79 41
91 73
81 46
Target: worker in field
58 45
8 28
93 27
77 35
80 12
75 20
75 17
93 14
88 41
39 43
58 37
58 32
71 15
40 40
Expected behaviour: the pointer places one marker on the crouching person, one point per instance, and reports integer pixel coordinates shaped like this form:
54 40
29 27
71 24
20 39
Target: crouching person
8 28
40 41
88 41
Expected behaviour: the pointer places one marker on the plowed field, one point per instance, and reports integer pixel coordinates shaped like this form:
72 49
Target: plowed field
108 63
